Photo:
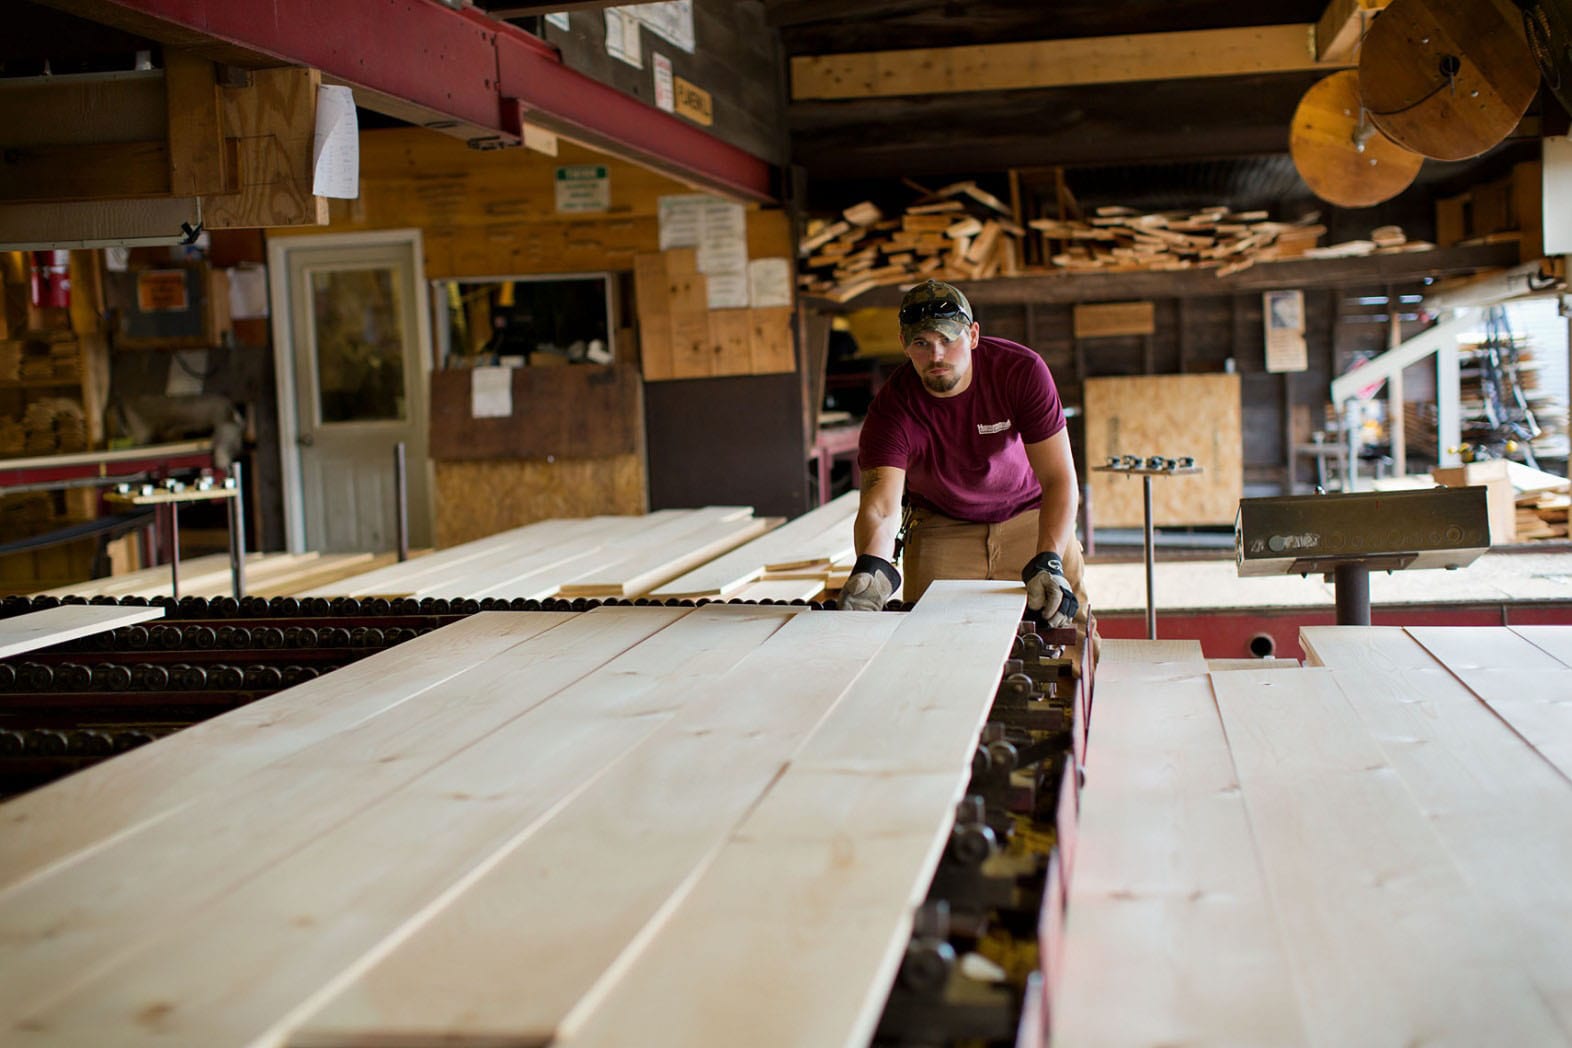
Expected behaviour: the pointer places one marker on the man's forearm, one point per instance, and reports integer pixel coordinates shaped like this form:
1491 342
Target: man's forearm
1056 520
875 533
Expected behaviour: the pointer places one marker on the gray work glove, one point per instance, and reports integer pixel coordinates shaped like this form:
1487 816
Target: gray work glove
1048 593
870 584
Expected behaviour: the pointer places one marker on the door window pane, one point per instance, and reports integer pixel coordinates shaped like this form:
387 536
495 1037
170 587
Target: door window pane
360 344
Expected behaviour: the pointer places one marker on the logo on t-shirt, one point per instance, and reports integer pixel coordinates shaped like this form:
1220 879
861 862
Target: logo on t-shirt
993 427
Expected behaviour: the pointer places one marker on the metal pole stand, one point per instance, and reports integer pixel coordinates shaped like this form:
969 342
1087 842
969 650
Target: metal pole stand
401 499
237 531
1352 585
1146 469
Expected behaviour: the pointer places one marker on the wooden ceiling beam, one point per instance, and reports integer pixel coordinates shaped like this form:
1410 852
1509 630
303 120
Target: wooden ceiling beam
1342 26
1058 63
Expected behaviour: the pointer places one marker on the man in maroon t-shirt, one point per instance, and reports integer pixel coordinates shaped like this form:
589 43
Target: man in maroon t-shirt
973 434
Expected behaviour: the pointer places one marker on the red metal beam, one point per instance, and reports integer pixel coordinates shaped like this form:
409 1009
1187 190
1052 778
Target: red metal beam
458 71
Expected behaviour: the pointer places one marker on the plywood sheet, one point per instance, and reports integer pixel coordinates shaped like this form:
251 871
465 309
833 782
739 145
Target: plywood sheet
1172 416
43 629
575 412
1105 319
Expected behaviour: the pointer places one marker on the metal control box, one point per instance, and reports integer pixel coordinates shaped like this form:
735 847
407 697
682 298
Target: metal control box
1382 530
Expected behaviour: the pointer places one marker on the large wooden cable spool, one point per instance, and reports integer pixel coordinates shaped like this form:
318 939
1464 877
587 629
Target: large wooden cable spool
1344 159
1447 78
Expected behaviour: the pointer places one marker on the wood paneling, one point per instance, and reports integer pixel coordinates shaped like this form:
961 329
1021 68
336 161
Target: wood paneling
572 412
476 499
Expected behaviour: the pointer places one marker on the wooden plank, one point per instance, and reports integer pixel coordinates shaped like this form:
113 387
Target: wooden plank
1341 27
51 626
85 172
820 535
1107 319
663 552
1388 941
1225 665
538 574
654 301
46 828
327 905
83 108
783 589
197 153
1526 686
1167 871
274 122
1556 640
770 346
1504 816
671 802
814 966
1055 63
94 223
690 326
731 331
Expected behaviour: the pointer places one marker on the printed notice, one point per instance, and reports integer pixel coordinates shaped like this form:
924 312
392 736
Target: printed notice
1284 314
727 290
672 21
162 291
583 187
491 393
769 282
681 220
664 96
622 37
335 151
723 238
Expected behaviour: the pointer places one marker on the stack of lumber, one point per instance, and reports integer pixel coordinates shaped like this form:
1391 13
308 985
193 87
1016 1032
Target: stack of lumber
594 557
1118 239
1366 850
1543 515
267 575
797 561
960 232
649 818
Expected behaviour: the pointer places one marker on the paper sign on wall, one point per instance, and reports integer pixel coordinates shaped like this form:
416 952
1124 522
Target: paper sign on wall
491 393
769 282
335 149
727 290
723 238
681 220
672 21
622 37
558 19
664 97
1283 313
583 187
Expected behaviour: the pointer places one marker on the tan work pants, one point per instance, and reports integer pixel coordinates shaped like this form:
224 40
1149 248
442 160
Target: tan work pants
940 547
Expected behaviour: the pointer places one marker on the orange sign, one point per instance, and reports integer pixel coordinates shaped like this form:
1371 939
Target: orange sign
693 102
162 291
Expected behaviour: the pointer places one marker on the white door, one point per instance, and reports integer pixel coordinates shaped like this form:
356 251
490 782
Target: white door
355 348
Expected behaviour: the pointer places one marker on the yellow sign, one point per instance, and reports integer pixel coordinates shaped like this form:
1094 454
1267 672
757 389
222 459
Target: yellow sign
693 102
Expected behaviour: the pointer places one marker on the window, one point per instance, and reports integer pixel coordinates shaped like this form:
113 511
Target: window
524 321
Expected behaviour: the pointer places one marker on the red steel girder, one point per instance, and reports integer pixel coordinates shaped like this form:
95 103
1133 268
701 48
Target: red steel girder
455 70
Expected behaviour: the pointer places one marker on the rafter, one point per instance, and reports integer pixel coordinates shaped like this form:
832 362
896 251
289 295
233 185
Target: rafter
1058 63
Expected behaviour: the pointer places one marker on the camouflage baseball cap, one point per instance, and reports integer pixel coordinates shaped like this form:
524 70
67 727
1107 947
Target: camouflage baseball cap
934 306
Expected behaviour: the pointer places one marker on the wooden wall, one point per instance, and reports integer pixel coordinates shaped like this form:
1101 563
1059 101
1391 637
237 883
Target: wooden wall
494 214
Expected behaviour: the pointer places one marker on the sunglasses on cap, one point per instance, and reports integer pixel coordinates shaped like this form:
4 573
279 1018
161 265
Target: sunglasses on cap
933 309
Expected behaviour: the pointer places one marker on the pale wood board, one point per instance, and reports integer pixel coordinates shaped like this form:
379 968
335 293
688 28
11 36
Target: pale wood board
1388 941
536 571
330 568
1222 665
456 560
781 589
670 803
43 629
1166 873
48 827
819 534
1525 685
149 580
333 906
53 925
662 554
1503 815
1556 640
793 934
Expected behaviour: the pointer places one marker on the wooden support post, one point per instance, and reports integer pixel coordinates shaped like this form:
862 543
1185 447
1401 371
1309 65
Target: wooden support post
197 150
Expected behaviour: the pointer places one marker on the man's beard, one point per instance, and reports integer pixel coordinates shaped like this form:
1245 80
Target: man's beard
941 382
